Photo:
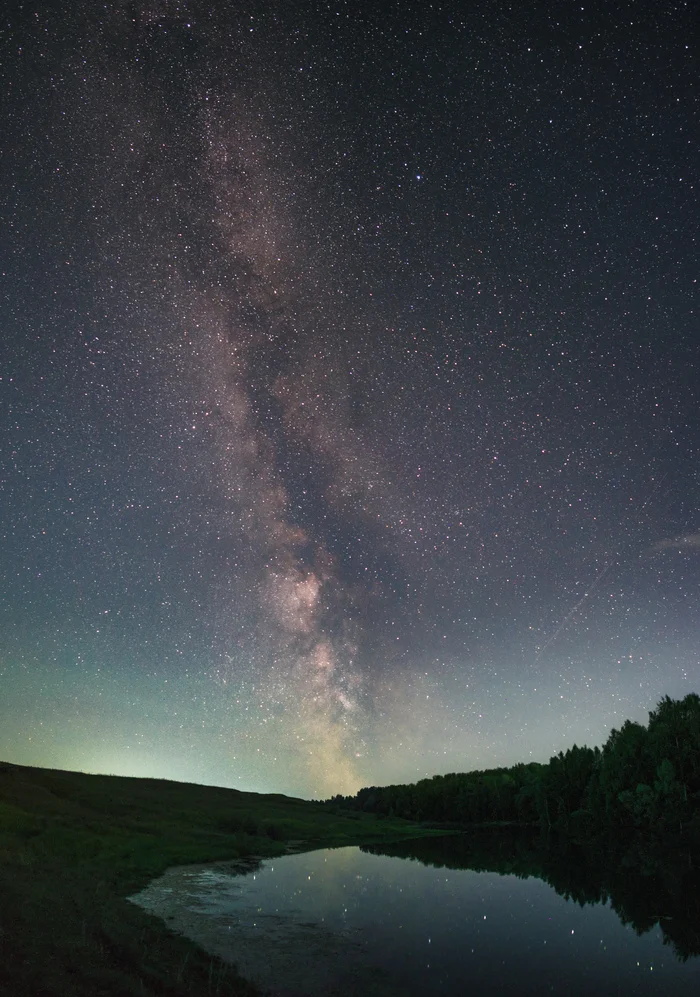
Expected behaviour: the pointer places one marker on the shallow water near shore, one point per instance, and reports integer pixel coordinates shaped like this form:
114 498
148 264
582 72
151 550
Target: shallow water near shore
342 922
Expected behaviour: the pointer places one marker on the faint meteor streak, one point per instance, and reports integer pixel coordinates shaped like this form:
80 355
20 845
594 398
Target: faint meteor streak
599 578
572 612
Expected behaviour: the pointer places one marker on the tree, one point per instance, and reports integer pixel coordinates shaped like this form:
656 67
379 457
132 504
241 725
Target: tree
674 733
624 765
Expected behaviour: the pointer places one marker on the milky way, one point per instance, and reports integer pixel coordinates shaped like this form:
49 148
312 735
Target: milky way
349 387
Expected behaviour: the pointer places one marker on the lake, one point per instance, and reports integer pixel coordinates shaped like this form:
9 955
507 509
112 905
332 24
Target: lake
349 921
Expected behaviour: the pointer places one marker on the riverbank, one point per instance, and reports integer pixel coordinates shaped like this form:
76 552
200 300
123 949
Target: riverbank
284 954
347 921
74 846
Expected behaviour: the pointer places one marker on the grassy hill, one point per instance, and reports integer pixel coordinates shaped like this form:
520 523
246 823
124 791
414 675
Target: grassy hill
73 846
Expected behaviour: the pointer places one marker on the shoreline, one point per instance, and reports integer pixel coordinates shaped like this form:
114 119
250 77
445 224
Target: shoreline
208 904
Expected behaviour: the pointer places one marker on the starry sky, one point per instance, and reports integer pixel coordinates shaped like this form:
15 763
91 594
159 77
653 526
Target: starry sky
349 380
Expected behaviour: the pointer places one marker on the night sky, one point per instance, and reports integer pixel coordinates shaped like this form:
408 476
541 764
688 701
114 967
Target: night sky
349 377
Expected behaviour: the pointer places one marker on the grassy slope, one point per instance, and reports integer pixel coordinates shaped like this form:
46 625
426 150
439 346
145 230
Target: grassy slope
73 846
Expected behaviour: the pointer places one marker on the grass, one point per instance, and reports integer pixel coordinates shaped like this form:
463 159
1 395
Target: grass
74 846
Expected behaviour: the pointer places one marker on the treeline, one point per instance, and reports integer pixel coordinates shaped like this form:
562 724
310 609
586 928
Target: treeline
645 777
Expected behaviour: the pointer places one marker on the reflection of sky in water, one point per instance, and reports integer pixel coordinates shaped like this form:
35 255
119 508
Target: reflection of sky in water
440 931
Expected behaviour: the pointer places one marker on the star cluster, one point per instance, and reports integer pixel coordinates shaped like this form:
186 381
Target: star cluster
348 385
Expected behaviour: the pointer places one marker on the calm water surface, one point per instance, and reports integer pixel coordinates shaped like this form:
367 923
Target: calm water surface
342 921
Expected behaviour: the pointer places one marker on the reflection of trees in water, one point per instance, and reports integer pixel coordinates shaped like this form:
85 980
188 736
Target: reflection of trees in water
646 882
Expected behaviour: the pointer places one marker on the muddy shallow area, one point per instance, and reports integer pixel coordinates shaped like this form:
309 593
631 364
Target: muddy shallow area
284 954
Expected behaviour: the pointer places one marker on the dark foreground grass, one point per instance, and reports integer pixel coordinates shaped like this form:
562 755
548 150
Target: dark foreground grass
74 846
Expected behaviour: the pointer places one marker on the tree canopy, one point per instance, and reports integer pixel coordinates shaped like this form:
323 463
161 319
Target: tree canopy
645 777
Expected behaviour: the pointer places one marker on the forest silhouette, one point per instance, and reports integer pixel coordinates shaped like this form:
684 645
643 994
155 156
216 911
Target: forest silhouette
644 779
